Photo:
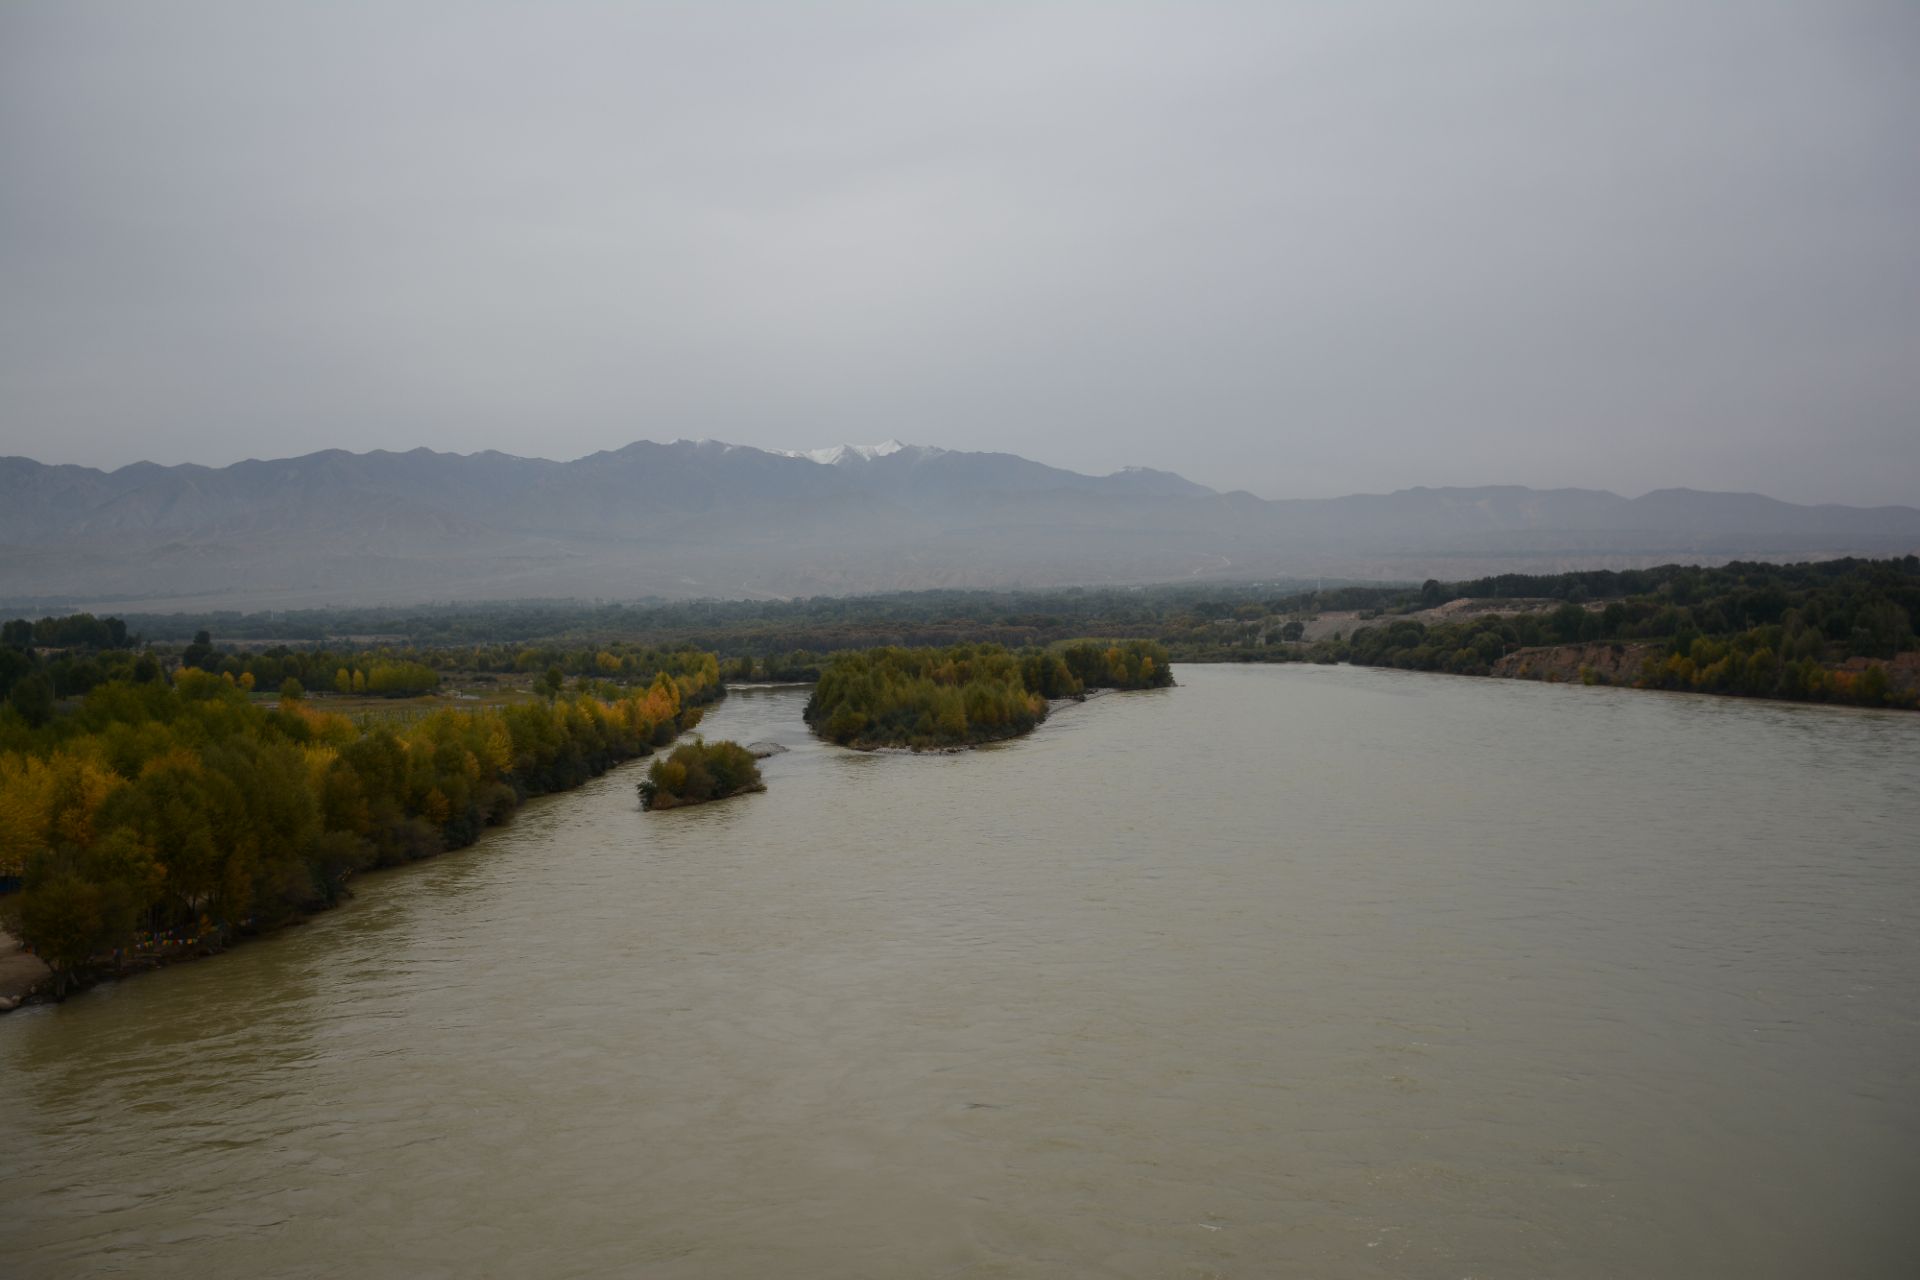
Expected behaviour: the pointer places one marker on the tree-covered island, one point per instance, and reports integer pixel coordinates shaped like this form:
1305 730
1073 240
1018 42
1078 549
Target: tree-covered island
697 772
933 698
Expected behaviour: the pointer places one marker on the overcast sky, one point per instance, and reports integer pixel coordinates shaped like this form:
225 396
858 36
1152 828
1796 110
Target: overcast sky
1303 249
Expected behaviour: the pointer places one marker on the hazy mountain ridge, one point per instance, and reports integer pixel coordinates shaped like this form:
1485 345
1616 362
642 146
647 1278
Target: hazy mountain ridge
704 518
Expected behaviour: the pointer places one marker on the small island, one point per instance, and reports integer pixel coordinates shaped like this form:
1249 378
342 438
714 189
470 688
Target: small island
698 772
943 699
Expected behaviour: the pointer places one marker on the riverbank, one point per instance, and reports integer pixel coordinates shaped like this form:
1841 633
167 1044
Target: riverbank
1644 665
1889 684
26 979
21 972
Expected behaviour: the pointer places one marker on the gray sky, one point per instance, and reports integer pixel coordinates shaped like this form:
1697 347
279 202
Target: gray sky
1303 249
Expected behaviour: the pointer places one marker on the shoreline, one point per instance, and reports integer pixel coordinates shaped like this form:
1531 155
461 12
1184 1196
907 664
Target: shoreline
961 748
1712 695
21 973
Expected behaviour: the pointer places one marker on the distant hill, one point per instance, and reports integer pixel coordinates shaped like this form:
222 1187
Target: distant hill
706 519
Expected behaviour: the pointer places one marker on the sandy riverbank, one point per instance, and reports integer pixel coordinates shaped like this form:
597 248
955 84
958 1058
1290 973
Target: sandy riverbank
19 971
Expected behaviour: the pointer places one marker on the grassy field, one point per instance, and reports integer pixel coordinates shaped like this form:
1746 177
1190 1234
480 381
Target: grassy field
452 696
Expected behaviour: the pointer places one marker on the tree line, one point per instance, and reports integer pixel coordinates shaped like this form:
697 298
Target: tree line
761 640
1824 632
42 662
786 639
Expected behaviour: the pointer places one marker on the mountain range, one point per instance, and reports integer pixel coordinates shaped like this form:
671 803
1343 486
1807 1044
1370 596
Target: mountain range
707 519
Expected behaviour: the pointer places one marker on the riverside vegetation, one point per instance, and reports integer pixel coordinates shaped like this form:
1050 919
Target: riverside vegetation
1815 631
697 772
932 698
183 807
155 803
1837 631
171 814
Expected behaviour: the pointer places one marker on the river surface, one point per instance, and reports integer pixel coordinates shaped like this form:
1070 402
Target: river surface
1287 971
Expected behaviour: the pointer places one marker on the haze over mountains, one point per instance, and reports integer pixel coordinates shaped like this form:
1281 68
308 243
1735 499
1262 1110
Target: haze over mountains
707 519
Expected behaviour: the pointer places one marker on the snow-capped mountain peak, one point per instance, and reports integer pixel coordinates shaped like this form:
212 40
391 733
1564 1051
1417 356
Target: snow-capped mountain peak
840 454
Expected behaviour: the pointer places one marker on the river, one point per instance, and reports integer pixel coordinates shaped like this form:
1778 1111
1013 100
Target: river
1285 971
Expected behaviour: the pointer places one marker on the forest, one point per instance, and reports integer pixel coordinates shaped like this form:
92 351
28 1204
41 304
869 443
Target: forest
933 698
1839 631
168 814
697 772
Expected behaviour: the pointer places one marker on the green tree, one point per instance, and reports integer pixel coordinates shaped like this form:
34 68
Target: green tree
1881 629
69 916
32 697
200 653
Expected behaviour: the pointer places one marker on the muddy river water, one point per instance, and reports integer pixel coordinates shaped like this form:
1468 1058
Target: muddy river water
1285 971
